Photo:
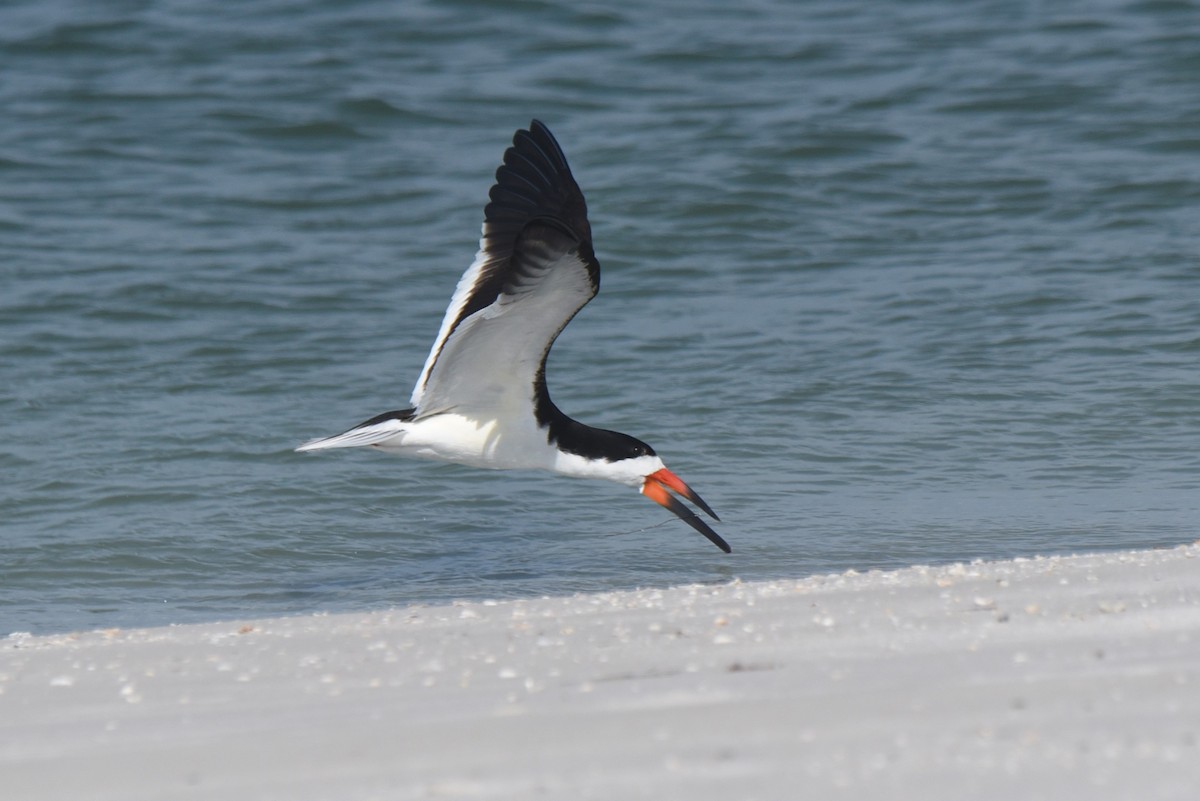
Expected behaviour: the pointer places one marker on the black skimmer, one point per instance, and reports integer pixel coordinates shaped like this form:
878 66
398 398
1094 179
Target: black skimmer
481 399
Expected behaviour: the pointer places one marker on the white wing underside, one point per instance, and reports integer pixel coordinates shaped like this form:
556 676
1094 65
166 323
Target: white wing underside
462 293
486 368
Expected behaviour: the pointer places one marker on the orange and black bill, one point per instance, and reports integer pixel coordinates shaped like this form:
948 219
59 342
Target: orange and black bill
656 487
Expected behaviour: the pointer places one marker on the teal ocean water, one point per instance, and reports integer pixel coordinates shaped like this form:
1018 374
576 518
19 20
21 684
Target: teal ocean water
886 283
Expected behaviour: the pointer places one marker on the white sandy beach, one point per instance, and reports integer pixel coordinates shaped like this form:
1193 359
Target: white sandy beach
1050 678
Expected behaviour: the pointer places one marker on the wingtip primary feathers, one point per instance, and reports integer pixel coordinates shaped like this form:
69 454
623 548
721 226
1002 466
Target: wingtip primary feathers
534 180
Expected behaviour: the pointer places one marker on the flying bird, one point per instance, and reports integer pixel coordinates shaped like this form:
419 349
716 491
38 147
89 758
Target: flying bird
482 399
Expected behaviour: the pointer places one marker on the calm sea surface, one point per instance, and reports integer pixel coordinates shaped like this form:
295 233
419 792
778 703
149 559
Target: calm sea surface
887 283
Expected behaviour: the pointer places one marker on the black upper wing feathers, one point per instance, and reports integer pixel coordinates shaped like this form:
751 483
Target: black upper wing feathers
549 145
535 181
530 162
509 180
534 184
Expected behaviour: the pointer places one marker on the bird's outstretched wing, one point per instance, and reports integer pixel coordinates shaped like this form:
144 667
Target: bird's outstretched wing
534 271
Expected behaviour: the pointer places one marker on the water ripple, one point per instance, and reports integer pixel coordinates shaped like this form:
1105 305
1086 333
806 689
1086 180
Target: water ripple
887 284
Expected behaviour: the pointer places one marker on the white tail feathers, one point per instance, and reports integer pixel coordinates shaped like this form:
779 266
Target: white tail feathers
357 437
